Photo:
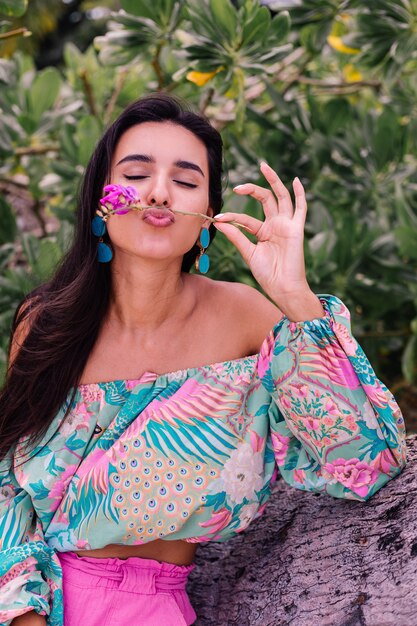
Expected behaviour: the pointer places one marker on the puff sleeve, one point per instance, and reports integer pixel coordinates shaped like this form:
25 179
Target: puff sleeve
30 572
335 427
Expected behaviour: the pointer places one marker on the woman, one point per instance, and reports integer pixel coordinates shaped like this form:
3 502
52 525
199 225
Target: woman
205 387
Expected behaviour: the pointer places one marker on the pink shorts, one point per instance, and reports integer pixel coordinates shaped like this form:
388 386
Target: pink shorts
124 592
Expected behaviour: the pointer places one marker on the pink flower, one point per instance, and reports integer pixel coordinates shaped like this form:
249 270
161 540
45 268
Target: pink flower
384 461
286 402
280 444
92 393
300 390
311 422
299 476
119 197
331 407
354 474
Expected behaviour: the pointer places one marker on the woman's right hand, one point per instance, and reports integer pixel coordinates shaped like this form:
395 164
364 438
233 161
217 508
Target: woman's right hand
31 618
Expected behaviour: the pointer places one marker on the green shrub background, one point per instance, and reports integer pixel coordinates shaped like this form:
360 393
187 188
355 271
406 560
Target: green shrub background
323 90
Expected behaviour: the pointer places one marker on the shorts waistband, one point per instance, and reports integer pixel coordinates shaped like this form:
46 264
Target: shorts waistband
135 574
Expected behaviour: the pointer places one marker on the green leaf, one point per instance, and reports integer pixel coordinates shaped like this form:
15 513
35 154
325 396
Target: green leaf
8 226
256 28
48 258
139 7
225 16
14 8
409 360
407 241
87 134
337 113
68 144
280 26
44 91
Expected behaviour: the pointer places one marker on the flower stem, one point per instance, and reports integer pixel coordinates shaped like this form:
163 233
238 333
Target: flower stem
142 207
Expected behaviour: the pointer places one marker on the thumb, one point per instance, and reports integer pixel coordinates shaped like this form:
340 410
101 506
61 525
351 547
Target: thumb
238 239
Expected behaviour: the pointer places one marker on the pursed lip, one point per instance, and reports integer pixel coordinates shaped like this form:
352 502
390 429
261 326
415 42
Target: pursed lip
159 214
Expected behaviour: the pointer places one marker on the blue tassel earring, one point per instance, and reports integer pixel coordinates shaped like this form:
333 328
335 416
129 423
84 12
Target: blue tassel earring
202 262
104 252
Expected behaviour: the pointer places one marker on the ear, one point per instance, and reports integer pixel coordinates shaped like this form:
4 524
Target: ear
210 212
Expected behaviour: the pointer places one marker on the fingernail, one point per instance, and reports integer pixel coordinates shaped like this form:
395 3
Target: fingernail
219 217
237 187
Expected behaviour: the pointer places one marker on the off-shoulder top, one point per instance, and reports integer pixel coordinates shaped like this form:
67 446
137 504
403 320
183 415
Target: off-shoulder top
192 454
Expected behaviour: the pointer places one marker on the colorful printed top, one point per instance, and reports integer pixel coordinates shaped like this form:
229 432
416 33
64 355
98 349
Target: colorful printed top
192 454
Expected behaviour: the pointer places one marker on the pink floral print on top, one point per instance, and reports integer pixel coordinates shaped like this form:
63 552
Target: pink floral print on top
192 454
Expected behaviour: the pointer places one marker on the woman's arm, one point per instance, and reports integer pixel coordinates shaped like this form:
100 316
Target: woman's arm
334 426
30 571
29 619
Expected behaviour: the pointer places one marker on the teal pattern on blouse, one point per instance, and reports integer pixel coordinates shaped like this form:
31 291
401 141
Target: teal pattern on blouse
192 454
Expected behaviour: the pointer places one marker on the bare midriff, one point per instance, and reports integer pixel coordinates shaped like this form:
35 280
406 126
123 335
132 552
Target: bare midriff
177 552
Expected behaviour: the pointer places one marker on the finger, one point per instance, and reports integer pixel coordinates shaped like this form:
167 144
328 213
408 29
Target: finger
265 196
242 243
285 206
250 222
300 201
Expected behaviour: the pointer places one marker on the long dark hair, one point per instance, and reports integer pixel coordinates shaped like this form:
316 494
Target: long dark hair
66 312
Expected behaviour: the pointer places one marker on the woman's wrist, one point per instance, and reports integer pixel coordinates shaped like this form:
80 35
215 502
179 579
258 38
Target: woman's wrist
302 307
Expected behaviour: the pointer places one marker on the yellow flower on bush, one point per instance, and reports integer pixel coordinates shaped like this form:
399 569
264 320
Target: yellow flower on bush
201 78
351 73
337 44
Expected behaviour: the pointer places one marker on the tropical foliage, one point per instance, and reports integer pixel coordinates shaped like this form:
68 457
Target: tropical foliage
326 91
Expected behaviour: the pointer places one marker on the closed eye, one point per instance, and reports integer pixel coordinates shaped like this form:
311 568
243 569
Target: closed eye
180 182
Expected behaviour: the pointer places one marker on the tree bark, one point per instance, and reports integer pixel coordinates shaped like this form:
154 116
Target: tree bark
314 560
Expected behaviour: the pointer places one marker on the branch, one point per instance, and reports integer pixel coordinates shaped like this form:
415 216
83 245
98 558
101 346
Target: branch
53 147
206 101
121 77
157 66
16 33
88 92
4 182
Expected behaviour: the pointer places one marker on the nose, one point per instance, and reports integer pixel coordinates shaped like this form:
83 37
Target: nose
158 194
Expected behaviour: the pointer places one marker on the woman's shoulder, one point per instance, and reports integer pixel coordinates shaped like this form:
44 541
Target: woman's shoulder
243 305
22 323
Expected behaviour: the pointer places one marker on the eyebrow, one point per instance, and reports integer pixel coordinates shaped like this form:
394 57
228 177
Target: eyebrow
144 158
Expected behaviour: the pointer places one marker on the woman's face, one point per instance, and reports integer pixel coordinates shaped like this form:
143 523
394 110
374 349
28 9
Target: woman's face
168 166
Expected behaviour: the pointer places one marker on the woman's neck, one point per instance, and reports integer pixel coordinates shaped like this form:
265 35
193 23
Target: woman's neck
145 296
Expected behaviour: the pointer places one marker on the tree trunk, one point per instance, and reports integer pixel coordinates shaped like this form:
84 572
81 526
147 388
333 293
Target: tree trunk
314 560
